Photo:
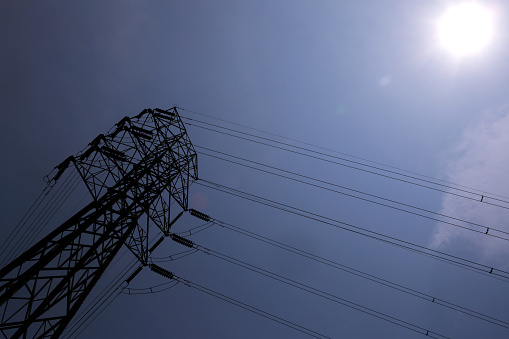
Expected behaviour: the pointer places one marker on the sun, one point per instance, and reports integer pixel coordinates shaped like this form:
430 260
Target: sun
466 28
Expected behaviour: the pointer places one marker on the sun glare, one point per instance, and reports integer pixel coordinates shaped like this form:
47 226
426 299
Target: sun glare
465 28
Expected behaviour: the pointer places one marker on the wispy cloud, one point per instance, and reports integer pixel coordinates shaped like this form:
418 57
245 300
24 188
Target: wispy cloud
480 160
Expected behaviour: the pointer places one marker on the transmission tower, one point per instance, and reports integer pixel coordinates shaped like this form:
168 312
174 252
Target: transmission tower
136 170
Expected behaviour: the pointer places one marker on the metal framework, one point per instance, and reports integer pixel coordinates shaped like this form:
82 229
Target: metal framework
135 170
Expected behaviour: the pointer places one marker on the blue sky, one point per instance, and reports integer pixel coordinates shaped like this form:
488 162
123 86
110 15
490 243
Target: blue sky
363 78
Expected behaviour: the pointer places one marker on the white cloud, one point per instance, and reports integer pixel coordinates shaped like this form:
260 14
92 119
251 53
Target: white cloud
480 160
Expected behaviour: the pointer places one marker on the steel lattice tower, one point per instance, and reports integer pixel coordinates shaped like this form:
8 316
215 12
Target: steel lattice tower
135 170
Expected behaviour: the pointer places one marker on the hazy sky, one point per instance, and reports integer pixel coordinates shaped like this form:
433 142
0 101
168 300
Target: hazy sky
366 78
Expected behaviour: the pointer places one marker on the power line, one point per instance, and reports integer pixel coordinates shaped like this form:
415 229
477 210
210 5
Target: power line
318 292
481 199
150 290
173 257
51 213
451 259
361 274
97 308
370 277
337 152
485 229
238 303
41 219
19 226
96 314
196 229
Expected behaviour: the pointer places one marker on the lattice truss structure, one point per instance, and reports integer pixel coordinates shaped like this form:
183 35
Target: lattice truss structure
132 173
